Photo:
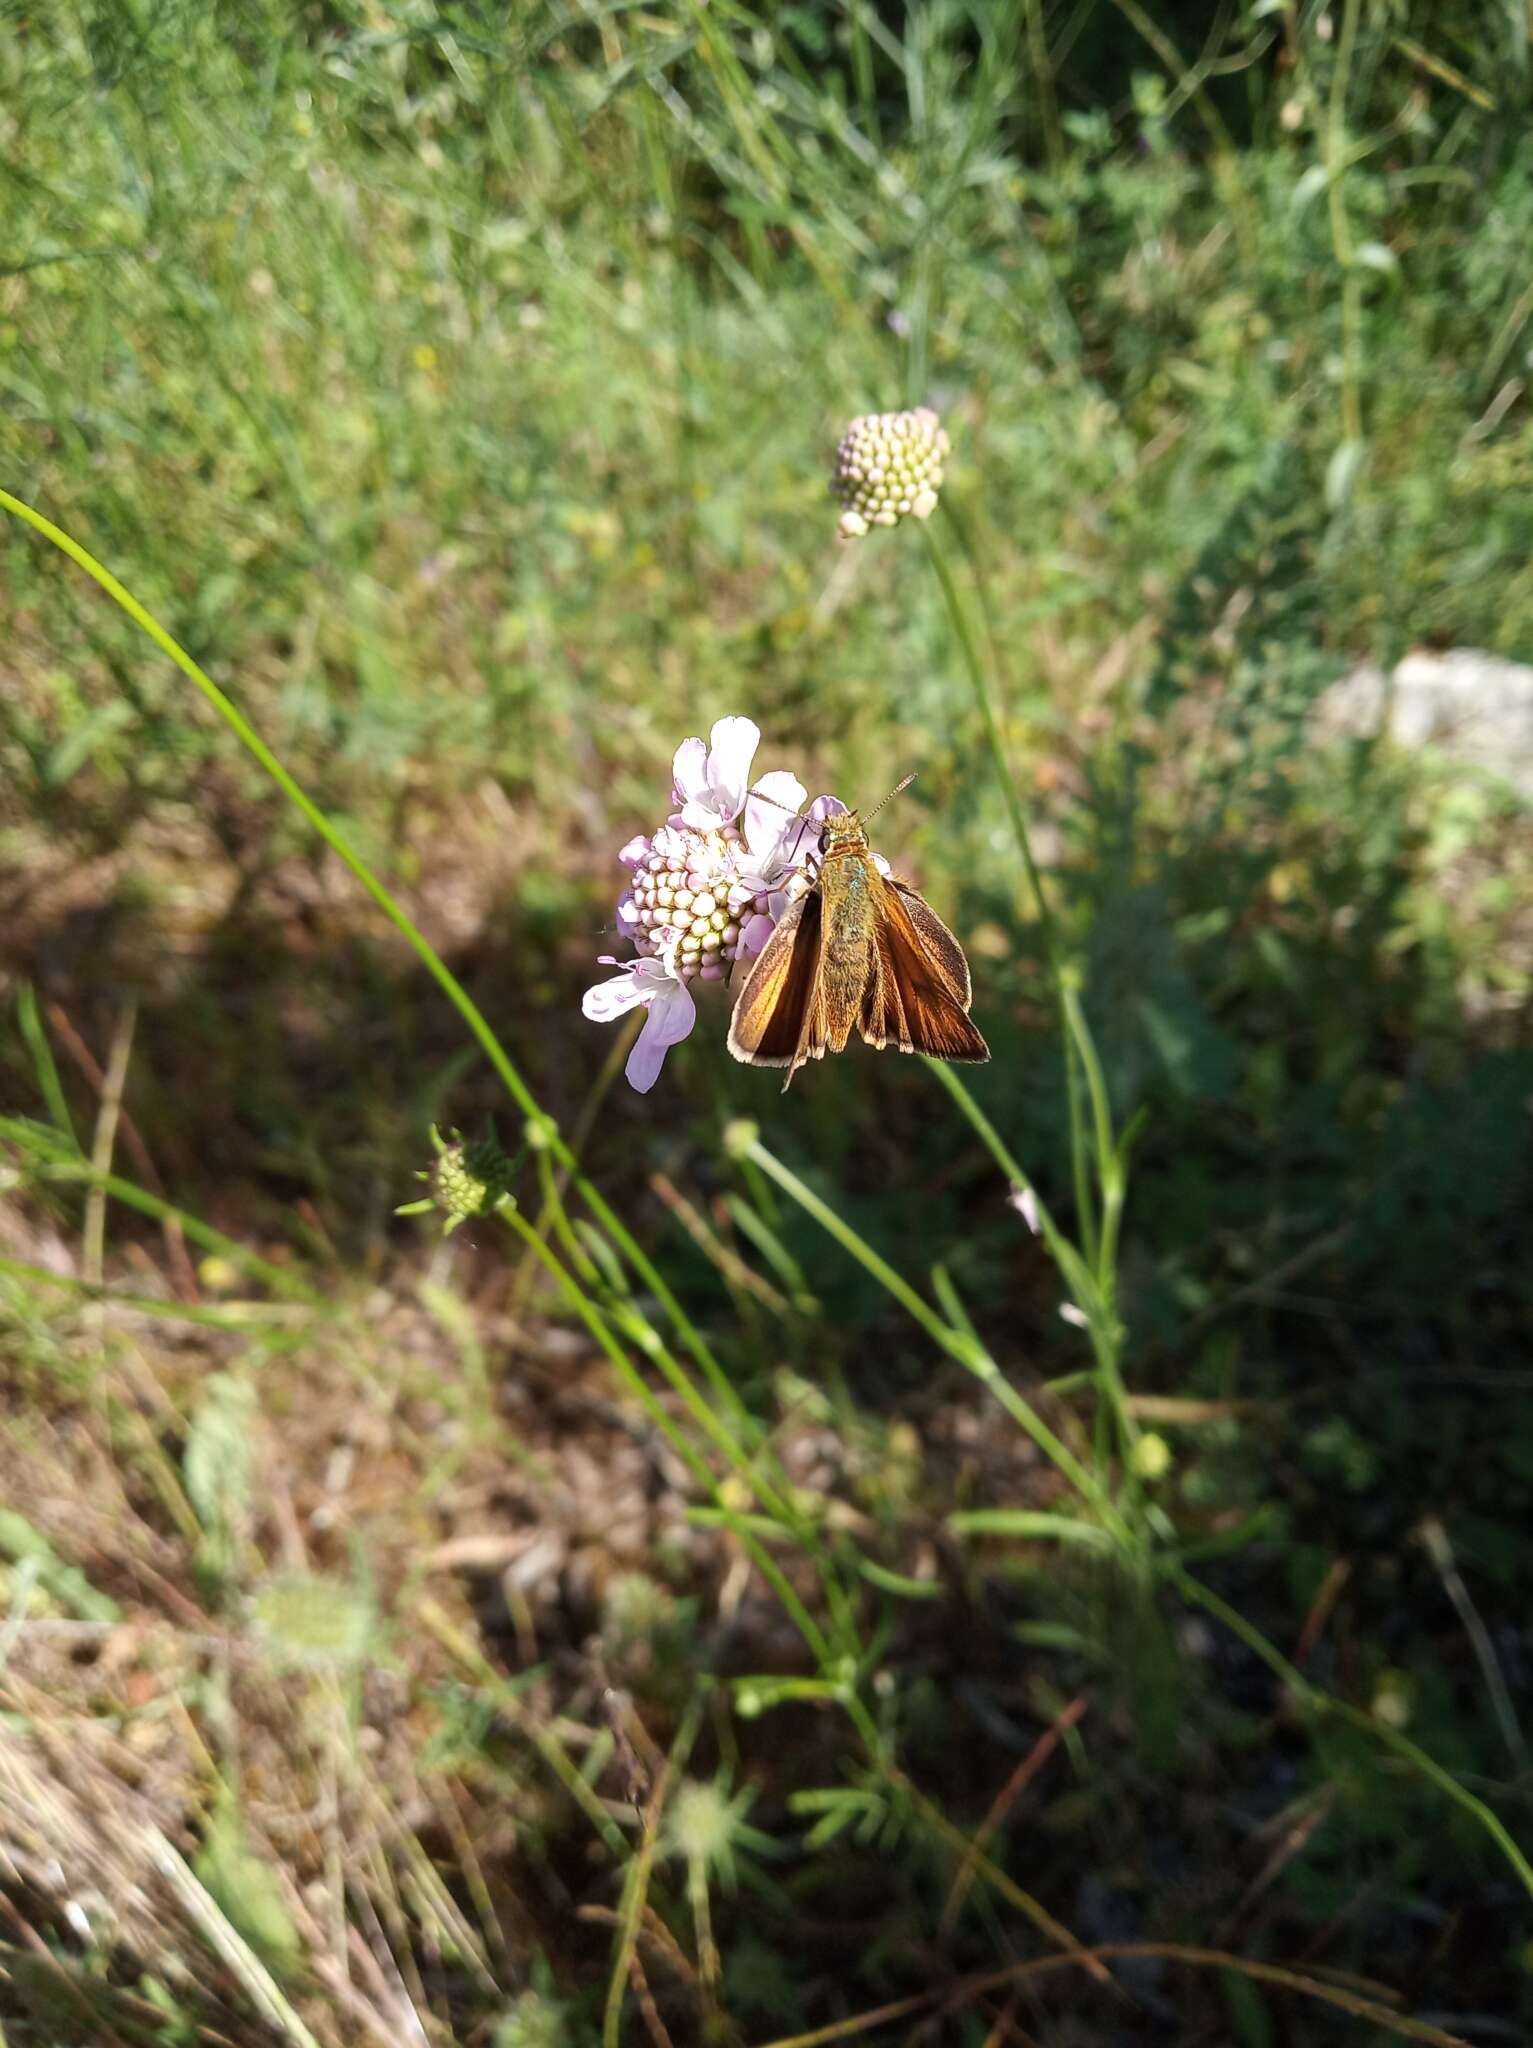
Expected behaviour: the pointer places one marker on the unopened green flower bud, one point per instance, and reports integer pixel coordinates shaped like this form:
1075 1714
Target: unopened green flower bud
470 1178
889 467
1151 1457
740 1134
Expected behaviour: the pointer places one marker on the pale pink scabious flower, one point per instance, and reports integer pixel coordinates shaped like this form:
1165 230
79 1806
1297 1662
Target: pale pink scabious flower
706 887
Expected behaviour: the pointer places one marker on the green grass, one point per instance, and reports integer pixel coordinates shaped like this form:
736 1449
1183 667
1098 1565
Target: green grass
457 391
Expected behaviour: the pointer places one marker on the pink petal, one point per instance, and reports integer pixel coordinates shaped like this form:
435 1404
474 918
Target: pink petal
754 934
731 748
689 771
635 851
672 1013
609 1000
771 812
702 813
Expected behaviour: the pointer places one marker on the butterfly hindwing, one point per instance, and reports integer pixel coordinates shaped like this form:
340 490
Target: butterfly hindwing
914 997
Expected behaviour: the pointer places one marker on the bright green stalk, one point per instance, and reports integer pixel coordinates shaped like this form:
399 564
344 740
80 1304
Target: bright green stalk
1321 1703
1057 969
630 1376
1098 1227
1077 1275
957 1344
419 944
546 1130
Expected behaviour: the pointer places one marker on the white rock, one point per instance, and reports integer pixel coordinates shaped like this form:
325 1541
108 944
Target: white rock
1472 707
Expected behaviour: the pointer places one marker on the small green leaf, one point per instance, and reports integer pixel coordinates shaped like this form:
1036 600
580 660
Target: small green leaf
65 1583
896 1582
1341 474
1309 187
245 1887
1029 1524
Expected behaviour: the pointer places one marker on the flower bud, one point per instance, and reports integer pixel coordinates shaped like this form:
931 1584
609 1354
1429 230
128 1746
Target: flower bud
888 467
471 1176
740 1134
1151 1457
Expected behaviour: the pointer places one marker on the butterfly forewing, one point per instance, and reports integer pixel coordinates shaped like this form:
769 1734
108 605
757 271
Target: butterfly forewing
775 1004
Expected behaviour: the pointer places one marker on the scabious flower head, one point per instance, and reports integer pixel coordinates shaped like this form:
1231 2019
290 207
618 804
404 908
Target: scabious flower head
888 467
678 898
706 887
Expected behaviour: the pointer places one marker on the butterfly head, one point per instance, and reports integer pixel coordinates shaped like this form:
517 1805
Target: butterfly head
847 832
843 832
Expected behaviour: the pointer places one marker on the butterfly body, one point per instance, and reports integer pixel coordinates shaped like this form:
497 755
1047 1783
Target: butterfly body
861 951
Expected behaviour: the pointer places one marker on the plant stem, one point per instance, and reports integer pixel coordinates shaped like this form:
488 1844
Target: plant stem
416 939
1341 229
1098 1228
1057 969
957 1344
636 1384
1320 1703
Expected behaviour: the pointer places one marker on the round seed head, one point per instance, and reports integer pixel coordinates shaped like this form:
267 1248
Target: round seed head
888 468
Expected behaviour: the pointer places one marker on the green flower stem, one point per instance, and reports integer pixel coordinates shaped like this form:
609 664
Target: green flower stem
630 1376
419 944
958 1345
617 1052
1058 972
516 1087
55 1160
1098 1227
1060 1247
774 1494
553 1214
1321 1703
1103 1328
747 1451
1106 1331
228 1315
1110 1175
1341 231
650 1274
251 740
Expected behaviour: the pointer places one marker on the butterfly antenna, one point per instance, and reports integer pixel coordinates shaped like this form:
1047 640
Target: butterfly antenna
903 783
